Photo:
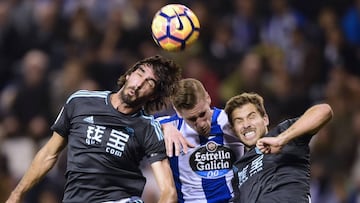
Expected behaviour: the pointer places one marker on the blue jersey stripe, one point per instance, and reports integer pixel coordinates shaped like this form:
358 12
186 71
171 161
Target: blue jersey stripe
216 186
174 164
169 119
215 130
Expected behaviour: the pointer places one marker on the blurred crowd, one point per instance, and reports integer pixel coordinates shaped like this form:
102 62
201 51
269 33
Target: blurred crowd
294 53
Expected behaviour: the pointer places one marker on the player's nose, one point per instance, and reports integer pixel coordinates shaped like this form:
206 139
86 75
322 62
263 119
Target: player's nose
246 124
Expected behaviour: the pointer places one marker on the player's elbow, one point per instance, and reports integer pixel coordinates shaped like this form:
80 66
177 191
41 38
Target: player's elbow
323 115
327 110
168 195
173 195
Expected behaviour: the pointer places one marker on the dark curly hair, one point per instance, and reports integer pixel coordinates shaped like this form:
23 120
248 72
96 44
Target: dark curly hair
168 74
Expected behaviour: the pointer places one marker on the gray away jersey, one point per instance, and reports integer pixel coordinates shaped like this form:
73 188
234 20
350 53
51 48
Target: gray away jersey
268 178
105 148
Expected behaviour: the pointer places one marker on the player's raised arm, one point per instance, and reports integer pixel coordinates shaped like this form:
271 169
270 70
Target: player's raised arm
163 176
44 160
309 123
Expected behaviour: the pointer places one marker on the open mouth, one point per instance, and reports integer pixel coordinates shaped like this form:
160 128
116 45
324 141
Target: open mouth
249 134
131 92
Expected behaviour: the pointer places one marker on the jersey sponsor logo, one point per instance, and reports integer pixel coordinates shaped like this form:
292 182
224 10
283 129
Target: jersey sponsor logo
94 134
116 142
212 160
251 169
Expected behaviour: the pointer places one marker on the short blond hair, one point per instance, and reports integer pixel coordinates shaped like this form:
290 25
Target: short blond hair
188 94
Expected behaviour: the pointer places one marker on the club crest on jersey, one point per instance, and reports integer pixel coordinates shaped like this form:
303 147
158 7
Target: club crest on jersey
212 160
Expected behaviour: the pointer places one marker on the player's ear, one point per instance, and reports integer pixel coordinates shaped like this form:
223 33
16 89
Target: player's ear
266 120
208 98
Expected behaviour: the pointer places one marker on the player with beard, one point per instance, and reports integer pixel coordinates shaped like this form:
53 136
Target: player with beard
276 164
107 134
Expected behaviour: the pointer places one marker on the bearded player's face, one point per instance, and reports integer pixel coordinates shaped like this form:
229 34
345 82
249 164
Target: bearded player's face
140 86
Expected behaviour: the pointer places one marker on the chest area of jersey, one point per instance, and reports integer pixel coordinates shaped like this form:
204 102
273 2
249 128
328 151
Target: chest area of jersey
211 160
253 163
99 136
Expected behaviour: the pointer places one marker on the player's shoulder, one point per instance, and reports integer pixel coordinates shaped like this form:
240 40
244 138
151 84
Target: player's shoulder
281 127
145 121
221 116
87 94
143 116
286 124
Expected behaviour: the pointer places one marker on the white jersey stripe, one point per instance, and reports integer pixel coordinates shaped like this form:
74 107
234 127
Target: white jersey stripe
156 125
86 93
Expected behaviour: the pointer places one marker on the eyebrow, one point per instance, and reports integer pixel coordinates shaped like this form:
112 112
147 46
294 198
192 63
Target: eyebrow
201 114
141 68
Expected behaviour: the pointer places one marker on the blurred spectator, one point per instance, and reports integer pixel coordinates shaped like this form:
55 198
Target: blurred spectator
82 36
322 186
221 48
196 67
248 77
338 52
19 152
48 31
28 113
206 19
341 136
327 20
70 78
109 57
283 20
31 106
284 99
296 56
351 24
245 23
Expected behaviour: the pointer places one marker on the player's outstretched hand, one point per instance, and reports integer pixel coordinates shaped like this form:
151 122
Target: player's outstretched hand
269 145
174 138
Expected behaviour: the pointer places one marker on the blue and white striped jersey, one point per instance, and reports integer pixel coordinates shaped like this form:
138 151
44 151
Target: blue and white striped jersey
204 174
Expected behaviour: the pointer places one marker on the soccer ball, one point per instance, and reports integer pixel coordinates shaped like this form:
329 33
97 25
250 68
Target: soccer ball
175 27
